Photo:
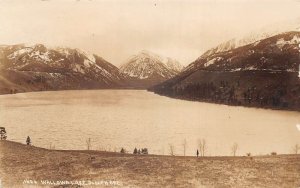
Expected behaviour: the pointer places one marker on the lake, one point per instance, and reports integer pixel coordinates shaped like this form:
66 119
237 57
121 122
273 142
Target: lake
136 118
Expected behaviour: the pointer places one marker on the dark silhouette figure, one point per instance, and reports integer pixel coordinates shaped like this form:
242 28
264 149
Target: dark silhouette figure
28 140
135 151
197 153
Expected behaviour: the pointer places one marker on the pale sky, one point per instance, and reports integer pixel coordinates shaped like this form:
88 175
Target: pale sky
117 29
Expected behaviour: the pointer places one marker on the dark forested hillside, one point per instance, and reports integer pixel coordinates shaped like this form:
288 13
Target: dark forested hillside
262 74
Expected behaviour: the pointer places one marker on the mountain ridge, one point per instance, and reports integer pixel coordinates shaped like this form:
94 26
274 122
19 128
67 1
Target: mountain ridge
265 32
263 74
37 67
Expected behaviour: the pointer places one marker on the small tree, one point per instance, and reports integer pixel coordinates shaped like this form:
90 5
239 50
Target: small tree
171 149
51 147
122 150
3 133
234 149
88 143
296 149
184 144
202 147
135 151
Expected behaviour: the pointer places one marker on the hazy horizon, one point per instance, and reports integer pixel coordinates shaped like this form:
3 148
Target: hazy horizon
116 30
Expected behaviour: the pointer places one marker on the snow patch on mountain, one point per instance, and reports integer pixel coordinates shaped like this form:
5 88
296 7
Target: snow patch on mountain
89 56
78 68
19 53
65 51
281 42
87 63
212 61
173 64
41 56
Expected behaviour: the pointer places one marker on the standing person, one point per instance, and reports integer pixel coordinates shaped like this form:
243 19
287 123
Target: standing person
28 140
197 153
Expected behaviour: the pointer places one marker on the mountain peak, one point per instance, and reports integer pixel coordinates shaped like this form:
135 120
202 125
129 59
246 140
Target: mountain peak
147 53
170 63
147 66
146 63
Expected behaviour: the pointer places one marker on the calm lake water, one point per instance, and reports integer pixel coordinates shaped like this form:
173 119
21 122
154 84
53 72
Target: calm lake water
136 118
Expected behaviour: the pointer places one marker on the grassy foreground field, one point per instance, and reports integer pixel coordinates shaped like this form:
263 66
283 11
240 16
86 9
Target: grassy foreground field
19 162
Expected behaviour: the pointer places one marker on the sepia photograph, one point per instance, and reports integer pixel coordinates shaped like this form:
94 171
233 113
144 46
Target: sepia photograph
150 93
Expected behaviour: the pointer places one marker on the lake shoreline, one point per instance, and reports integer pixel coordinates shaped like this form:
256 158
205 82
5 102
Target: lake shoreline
20 162
171 97
228 104
83 89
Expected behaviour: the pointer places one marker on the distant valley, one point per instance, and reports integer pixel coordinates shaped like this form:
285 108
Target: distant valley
260 73
37 68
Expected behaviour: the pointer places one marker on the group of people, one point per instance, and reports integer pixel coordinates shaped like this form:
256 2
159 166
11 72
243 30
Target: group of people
140 151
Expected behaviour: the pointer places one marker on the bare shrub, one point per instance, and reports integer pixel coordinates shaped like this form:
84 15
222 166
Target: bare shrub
88 143
202 147
184 144
51 146
296 149
234 149
171 149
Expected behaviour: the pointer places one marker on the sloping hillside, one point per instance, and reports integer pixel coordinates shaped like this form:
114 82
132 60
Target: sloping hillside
20 162
261 74
34 68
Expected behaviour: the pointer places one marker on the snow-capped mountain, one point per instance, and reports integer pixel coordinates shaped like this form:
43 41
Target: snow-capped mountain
147 68
263 33
37 67
277 53
264 73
